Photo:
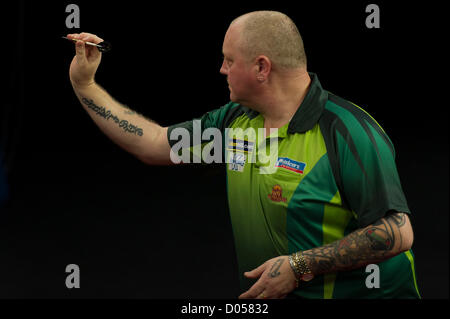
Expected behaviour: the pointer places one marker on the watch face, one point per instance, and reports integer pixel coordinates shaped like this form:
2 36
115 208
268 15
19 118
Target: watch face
307 277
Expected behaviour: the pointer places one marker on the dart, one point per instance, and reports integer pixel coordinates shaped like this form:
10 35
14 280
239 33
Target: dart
102 46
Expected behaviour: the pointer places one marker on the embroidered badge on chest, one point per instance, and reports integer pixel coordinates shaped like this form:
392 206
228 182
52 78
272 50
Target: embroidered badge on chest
236 162
238 151
277 194
291 165
240 145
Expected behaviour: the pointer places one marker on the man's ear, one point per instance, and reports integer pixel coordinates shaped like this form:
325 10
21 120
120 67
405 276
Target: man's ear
263 68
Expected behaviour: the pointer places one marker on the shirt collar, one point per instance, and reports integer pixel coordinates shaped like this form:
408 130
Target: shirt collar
310 110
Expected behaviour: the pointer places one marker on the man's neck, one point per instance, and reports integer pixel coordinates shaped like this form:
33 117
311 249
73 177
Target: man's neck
283 100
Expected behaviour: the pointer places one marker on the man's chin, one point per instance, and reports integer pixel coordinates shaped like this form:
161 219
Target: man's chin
234 98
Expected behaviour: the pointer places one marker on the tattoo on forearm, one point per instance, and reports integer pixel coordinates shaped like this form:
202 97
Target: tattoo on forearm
129 111
379 239
106 114
275 267
369 245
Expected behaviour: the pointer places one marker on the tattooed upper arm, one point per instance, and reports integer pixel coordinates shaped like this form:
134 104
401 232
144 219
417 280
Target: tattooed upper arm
403 223
390 233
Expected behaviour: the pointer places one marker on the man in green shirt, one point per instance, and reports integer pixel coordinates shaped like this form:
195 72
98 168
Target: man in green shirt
327 202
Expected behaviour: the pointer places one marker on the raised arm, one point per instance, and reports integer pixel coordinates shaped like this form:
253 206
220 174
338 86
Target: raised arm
133 132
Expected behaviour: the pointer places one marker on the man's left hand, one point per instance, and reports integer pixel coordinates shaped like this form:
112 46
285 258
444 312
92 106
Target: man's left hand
276 280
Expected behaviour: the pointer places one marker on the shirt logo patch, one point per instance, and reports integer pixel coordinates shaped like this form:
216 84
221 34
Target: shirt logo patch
237 145
236 162
290 164
277 194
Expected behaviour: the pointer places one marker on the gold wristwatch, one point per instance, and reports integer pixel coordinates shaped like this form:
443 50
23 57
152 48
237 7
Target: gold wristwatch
301 269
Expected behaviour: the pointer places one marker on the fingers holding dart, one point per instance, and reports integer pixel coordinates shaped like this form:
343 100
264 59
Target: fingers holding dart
102 46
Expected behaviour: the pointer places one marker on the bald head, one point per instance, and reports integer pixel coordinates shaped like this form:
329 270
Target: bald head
272 34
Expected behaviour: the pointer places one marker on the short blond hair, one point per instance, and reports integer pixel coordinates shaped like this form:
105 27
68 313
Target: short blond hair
273 34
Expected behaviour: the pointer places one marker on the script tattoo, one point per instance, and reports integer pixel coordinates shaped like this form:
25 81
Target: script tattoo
368 245
106 114
275 267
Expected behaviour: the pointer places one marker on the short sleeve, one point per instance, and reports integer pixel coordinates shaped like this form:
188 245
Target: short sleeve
366 156
200 133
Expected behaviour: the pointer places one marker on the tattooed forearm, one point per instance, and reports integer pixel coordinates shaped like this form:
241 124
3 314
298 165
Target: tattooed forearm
129 111
106 114
275 267
372 244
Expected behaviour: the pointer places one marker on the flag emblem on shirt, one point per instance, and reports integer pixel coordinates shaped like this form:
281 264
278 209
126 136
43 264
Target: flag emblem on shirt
290 164
238 145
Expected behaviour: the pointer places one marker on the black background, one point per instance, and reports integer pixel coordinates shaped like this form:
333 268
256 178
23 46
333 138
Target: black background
139 231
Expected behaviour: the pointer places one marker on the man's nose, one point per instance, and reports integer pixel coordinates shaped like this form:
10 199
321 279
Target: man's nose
223 69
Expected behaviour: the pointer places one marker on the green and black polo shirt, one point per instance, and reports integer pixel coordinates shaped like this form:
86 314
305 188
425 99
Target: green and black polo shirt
334 172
